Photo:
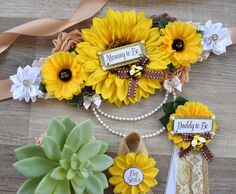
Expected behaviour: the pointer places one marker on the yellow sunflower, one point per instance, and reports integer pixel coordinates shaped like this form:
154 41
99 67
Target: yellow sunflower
114 30
133 174
62 75
189 109
183 43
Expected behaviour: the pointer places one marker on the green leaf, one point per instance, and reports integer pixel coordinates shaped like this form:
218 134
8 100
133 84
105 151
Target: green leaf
89 150
67 152
200 32
101 162
34 167
62 187
29 151
68 123
78 99
57 130
93 185
78 184
103 147
164 120
163 23
80 135
46 185
169 108
59 173
42 88
171 67
70 174
180 100
65 163
102 178
51 148
29 186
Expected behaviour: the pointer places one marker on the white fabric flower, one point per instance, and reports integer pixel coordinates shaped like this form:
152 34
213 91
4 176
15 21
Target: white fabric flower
38 63
26 83
215 37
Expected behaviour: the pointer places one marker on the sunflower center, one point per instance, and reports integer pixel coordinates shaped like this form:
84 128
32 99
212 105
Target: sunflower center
133 176
117 43
65 75
178 45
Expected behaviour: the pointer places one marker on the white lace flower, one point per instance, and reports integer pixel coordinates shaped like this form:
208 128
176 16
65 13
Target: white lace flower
215 37
26 83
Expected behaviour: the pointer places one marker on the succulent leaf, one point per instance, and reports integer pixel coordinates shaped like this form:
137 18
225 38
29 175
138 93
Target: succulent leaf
80 135
57 130
67 152
102 178
62 187
46 185
78 185
34 167
93 185
29 151
101 162
59 173
103 147
51 148
89 150
29 186
68 123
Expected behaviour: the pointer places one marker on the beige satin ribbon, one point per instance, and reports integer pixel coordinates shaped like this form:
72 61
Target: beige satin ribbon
44 27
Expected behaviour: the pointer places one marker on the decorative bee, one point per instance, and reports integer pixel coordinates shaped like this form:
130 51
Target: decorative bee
198 142
136 71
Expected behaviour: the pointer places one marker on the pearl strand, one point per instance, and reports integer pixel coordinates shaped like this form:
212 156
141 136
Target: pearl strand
138 118
108 128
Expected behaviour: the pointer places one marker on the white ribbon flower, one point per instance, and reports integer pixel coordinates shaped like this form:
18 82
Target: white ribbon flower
215 37
171 85
89 100
26 83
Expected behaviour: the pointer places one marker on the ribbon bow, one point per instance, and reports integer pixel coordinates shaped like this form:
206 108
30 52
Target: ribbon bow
89 100
136 72
171 85
197 143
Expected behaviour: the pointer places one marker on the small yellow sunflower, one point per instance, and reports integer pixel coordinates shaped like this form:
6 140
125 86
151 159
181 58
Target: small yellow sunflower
183 43
115 30
62 75
189 109
133 174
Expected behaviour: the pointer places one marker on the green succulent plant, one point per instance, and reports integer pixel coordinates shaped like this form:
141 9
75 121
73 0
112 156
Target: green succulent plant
69 161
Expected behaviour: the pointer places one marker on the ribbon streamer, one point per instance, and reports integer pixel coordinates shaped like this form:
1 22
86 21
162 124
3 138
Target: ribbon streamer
133 84
204 149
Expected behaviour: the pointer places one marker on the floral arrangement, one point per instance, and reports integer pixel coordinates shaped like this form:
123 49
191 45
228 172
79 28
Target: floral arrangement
133 173
170 47
189 141
68 159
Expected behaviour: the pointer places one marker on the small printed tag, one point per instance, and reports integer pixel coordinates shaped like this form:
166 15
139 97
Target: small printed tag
133 176
122 56
192 125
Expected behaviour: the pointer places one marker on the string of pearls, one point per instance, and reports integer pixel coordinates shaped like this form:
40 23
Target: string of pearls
97 111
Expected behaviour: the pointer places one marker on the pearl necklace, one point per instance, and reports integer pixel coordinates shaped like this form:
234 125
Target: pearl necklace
97 111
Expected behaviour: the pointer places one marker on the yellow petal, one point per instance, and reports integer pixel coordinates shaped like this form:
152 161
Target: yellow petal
115 180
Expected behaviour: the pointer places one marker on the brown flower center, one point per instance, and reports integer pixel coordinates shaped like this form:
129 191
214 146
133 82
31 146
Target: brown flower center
117 43
178 45
65 75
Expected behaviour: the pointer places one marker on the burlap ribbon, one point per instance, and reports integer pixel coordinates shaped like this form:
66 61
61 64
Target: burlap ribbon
132 143
133 81
204 149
